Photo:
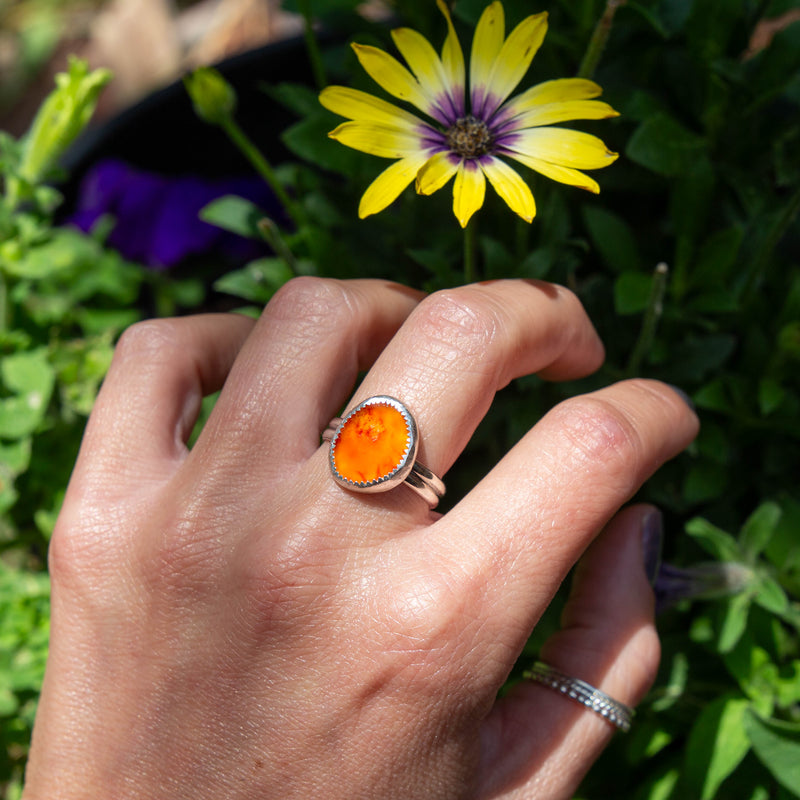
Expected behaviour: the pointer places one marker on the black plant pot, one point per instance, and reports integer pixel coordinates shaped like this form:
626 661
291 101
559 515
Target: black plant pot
163 134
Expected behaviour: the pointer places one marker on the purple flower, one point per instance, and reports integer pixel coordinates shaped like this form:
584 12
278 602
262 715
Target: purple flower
156 216
699 581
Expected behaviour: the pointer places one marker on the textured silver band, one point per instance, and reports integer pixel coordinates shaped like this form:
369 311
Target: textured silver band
615 712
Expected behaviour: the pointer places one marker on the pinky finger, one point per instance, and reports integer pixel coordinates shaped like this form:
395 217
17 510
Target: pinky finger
539 742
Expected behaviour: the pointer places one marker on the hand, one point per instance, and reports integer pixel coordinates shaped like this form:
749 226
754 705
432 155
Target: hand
229 622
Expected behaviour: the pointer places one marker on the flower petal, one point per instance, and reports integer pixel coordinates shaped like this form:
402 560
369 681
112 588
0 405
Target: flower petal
572 177
510 186
392 76
363 107
486 45
469 191
559 90
385 141
561 146
436 172
387 187
513 61
551 113
427 67
453 62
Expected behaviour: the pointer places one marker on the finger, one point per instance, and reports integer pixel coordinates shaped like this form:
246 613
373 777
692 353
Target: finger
299 365
518 533
150 398
540 743
461 345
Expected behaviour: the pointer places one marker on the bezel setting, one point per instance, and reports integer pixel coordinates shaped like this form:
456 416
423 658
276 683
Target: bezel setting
405 463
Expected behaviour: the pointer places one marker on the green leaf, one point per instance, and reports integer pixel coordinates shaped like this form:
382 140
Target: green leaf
758 530
28 372
658 786
714 301
235 214
705 480
632 292
755 673
31 377
770 396
770 594
257 281
298 97
783 549
717 256
308 139
65 250
613 238
716 746
80 365
714 540
664 146
19 417
713 396
691 198
732 621
696 357
777 746
15 456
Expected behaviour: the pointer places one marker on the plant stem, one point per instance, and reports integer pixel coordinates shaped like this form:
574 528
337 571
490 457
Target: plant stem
272 235
597 43
655 307
262 166
4 315
312 45
470 254
762 258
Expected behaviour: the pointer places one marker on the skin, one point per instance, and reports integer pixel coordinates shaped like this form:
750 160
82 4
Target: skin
228 622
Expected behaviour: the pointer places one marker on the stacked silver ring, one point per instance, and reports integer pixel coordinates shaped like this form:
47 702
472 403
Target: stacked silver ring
607 707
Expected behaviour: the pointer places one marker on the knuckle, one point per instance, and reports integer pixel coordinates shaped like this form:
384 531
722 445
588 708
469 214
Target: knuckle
317 302
145 340
456 320
597 431
80 560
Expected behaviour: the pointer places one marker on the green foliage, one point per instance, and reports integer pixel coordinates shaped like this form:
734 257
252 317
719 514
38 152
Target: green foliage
64 297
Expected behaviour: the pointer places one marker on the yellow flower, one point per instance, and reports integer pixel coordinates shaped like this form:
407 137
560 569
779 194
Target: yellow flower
471 143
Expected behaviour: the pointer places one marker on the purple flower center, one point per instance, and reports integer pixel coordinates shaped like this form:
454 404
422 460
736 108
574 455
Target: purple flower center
469 137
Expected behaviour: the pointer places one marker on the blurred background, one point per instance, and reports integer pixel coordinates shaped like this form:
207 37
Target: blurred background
146 43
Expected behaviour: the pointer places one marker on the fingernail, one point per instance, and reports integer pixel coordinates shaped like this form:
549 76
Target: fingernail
652 537
685 397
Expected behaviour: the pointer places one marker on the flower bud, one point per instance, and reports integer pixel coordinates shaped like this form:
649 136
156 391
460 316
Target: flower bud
213 98
63 115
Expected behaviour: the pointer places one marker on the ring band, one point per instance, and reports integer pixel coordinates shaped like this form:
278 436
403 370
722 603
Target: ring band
615 712
374 448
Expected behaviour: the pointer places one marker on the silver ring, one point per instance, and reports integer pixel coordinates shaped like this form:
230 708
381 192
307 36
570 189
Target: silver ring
374 449
615 712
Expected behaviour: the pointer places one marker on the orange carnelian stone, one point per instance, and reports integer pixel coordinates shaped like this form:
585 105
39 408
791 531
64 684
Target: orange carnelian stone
371 444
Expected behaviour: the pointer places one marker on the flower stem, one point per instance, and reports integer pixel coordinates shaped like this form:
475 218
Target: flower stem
312 45
470 254
655 307
4 306
272 236
597 43
262 166
779 226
